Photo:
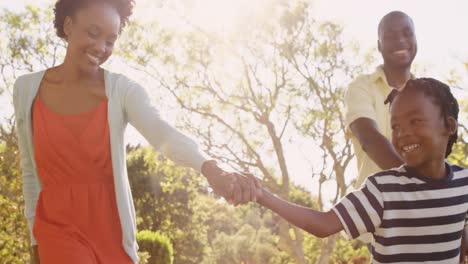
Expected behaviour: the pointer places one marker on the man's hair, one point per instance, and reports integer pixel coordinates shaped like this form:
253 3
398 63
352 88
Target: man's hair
441 96
390 15
64 8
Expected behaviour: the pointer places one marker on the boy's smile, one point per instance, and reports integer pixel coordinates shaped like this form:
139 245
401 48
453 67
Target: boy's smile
420 133
410 147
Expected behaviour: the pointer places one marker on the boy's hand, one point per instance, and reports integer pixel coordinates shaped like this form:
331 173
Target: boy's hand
244 189
258 186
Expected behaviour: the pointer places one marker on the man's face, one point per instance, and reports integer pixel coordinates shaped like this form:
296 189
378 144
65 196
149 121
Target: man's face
397 41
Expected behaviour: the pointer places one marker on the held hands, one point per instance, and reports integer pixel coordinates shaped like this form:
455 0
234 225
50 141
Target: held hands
237 188
245 183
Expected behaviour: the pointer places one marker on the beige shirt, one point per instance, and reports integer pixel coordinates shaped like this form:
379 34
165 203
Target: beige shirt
365 98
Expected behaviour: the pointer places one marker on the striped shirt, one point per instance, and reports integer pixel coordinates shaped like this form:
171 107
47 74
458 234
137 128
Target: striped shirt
412 218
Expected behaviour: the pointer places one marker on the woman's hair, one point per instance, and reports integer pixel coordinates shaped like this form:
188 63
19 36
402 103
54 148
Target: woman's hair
64 8
441 96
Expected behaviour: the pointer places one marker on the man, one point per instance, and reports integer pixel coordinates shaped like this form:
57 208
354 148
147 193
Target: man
367 116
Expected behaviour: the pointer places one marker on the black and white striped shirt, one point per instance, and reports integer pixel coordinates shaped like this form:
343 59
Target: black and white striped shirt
412 218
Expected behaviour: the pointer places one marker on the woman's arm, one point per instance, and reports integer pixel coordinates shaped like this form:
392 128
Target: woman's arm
146 118
35 255
142 114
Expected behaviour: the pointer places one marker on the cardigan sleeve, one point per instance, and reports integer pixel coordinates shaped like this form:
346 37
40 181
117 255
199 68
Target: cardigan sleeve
147 120
31 185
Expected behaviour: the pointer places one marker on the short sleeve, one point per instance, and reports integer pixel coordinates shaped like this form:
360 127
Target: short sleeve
361 211
359 101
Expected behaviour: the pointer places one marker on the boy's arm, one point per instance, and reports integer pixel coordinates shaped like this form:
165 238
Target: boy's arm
320 224
464 246
359 212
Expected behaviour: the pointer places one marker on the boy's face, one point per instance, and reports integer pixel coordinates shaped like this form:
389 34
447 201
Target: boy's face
419 132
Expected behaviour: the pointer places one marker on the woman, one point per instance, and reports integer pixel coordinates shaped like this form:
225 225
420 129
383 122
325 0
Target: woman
70 124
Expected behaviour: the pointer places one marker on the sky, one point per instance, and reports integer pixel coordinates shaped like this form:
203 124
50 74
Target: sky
440 26
440 30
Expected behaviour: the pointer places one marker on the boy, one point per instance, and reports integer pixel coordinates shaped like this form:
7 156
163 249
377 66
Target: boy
416 212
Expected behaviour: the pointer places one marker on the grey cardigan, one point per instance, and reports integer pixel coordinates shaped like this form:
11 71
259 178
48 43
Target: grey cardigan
128 102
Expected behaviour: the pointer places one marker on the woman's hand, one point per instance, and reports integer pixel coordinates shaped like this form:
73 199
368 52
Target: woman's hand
35 255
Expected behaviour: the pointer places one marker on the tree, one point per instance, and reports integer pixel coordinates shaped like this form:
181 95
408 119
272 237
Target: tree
282 82
460 149
14 235
247 245
158 246
166 200
27 45
245 98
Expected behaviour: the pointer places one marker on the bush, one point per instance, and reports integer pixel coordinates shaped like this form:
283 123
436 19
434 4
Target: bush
144 257
159 247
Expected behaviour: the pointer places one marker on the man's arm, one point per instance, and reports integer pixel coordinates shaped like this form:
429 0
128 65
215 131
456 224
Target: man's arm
376 145
320 224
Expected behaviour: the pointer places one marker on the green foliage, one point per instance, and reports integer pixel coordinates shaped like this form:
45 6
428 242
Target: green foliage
158 246
245 234
312 247
459 153
14 235
144 257
352 252
14 243
247 245
165 197
302 197
29 43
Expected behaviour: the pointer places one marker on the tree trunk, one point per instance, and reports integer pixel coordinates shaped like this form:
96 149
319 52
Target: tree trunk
292 246
326 249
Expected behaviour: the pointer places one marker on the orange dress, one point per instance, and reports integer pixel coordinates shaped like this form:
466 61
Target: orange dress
76 216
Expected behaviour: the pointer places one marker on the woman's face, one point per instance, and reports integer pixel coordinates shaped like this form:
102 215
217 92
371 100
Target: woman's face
91 33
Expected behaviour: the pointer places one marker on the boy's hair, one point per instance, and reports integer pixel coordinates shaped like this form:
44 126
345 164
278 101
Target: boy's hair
64 8
441 96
